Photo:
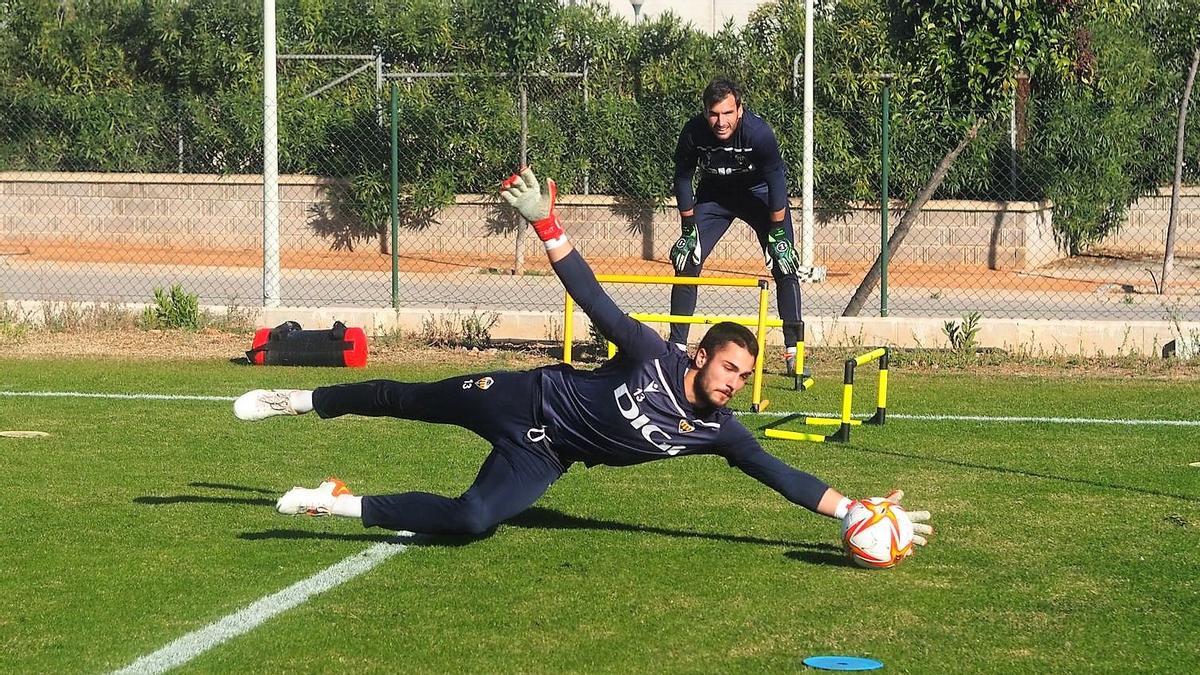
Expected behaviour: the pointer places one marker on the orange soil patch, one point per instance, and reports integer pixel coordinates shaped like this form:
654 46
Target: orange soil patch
838 273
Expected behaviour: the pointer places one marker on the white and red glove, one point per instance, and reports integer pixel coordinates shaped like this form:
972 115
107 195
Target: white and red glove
535 204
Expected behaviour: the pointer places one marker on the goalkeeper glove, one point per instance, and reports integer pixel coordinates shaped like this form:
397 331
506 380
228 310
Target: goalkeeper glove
918 518
781 251
688 246
535 204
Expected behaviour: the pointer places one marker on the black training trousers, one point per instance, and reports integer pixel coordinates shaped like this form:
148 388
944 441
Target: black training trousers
501 407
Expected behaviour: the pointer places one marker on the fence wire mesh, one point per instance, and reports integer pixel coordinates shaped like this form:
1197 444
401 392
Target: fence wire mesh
175 197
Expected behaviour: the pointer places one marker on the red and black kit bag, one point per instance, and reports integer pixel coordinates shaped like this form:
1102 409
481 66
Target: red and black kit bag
289 345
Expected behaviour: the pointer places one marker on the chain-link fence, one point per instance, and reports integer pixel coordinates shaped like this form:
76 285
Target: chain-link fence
1002 234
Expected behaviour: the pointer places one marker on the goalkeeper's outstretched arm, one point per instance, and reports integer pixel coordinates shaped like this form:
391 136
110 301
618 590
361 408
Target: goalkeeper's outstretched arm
536 204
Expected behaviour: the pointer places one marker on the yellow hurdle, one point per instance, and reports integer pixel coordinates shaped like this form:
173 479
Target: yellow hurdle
760 322
844 422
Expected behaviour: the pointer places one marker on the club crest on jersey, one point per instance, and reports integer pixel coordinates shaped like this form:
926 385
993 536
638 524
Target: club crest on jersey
685 427
655 436
483 383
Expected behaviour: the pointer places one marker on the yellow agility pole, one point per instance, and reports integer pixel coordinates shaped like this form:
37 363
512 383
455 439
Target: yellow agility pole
794 435
844 422
757 404
568 326
802 383
677 281
748 321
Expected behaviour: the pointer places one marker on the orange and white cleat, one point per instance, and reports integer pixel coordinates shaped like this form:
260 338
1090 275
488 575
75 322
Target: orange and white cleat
316 501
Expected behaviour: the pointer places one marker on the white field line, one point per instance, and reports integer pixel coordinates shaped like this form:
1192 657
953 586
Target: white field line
997 419
246 619
133 397
771 413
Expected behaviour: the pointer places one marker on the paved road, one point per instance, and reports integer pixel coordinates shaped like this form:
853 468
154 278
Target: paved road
39 280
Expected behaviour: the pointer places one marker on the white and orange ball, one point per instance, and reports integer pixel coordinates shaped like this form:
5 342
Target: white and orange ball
877 533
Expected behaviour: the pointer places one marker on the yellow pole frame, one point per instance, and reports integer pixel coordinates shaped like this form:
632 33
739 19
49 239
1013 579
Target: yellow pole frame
844 421
676 281
757 404
761 322
569 303
568 327
870 356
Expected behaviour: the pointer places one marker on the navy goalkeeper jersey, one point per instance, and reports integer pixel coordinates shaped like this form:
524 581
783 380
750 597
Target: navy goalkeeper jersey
748 159
634 409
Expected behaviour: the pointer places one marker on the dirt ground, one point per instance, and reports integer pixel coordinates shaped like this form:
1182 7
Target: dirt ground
219 345
1068 278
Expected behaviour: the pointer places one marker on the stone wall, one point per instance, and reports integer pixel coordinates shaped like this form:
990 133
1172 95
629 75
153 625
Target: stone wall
225 212
1145 229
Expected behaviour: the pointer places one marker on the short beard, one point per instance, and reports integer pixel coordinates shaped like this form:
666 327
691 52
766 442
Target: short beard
703 400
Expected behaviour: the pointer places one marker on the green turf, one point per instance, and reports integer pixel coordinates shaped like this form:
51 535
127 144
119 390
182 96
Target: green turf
1059 548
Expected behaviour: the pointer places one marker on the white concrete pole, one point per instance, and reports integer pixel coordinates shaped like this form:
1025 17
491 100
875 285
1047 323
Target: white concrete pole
806 228
270 204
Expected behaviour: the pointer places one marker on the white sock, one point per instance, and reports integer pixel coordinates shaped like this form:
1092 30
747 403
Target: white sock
791 351
301 400
349 506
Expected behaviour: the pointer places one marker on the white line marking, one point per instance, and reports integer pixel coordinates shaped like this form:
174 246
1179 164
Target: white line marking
987 418
147 397
244 620
771 413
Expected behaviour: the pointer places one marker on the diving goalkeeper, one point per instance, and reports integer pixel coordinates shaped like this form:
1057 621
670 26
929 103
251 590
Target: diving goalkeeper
649 402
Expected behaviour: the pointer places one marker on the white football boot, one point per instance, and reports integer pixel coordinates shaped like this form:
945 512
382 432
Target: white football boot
263 403
316 501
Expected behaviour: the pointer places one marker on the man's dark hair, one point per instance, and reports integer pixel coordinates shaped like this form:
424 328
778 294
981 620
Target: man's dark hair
725 332
718 89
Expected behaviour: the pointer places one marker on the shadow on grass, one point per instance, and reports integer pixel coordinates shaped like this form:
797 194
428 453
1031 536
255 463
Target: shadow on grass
279 533
1031 474
202 499
833 557
549 519
155 500
537 517
237 488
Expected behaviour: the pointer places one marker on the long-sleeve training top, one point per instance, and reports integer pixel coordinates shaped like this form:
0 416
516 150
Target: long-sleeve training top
633 408
750 157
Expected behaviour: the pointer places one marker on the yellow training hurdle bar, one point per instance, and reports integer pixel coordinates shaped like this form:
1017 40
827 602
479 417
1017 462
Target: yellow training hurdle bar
844 422
761 322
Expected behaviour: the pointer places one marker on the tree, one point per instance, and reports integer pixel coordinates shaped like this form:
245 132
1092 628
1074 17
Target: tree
970 53
1176 32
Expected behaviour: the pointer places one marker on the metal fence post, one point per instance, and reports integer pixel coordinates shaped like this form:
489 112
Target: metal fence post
395 205
884 161
519 257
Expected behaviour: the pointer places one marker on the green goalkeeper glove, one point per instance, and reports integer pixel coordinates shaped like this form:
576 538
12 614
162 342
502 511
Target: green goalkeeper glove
781 251
687 248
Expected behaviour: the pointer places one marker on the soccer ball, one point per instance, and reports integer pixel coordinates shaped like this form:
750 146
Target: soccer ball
877 533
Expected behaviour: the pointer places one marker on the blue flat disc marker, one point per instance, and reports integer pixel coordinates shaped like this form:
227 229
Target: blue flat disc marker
842 663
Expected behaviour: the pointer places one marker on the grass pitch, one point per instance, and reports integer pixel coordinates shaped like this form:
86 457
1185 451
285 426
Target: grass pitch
1060 547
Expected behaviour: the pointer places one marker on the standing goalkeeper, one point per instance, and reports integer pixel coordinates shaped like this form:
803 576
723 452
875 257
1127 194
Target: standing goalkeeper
742 175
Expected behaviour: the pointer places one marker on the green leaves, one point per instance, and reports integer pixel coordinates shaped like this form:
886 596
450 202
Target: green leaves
172 309
168 85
